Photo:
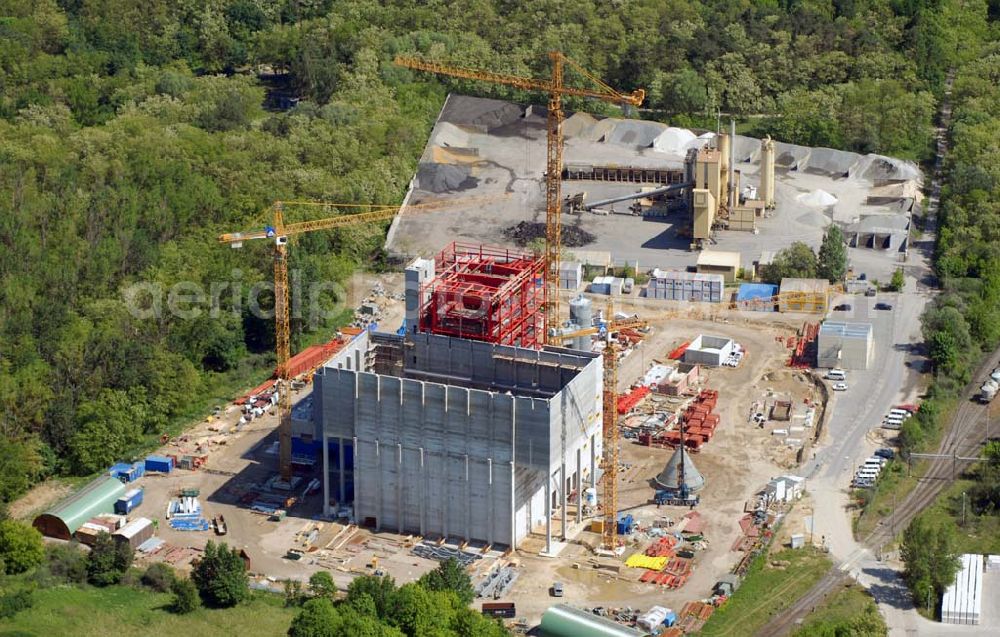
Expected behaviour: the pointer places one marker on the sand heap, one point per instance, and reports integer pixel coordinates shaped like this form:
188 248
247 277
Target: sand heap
818 198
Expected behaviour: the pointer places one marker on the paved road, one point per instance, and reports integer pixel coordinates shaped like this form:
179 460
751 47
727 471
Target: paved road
854 414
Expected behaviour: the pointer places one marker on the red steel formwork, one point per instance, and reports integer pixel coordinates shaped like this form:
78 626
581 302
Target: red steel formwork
486 293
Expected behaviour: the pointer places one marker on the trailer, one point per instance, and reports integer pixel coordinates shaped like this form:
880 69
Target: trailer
676 497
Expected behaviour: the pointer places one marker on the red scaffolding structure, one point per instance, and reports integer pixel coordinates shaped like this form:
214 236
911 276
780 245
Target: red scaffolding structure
486 293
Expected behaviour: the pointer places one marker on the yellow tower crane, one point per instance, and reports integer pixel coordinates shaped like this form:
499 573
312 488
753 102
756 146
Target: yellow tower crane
555 89
610 431
280 232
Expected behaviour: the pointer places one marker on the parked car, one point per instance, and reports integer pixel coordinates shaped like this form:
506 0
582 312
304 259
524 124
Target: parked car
557 589
885 452
883 306
840 387
843 307
871 292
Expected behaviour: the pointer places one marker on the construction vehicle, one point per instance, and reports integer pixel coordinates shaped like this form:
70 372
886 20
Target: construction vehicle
555 89
280 232
681 497
219 524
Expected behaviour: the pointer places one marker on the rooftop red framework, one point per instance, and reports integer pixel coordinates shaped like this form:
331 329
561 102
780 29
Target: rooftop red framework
486 293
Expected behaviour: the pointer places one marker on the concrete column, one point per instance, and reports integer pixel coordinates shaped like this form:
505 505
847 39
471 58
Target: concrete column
326 475
357 485
578 483
491 500
378 487
564 500
342 471
423 495
468 502
548 512
445 492
399 487
513 510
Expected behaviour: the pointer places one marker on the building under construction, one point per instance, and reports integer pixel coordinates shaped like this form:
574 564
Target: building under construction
484 293
452 437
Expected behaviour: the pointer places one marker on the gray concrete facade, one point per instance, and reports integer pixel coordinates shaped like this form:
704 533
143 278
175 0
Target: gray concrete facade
459 438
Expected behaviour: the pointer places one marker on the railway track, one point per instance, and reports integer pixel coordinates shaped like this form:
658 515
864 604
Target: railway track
964 438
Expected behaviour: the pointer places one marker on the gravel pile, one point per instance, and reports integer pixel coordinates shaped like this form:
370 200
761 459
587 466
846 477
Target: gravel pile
527 231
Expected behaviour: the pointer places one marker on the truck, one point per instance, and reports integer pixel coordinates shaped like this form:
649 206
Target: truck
676 497
988 391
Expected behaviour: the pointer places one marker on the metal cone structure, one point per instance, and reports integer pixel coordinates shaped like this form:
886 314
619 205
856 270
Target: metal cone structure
680 470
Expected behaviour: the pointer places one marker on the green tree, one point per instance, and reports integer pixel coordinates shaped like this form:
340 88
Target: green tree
221 576
185 596
450 576
897 282
928 551
108 427
108 560
294 595
831 263
318 618
796 261
21 547
379 591
321 584
159 576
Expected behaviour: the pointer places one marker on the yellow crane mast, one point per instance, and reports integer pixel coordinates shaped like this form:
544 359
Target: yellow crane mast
555 89
280 232
610 431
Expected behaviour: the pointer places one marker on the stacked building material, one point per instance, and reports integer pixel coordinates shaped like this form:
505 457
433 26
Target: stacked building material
699 421
631 399
185 514
663 547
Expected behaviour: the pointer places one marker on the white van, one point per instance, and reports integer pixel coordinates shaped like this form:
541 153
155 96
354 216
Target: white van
875 461
893 422
899 413
866 473
836 374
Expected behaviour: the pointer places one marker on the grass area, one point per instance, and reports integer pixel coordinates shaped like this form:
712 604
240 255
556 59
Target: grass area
838 614
976 533
124 611
877 503
773 583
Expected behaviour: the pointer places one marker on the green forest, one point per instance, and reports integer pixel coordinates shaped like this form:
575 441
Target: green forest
132 133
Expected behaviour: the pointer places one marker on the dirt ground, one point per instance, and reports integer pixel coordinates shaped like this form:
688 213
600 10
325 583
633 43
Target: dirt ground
737 463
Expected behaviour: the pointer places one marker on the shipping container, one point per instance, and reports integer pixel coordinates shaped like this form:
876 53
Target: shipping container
125 504
499 609
161 464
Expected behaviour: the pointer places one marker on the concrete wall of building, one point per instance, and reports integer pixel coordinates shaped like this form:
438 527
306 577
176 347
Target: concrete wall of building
455 447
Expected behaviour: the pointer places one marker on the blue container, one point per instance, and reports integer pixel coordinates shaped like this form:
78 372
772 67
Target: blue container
125 504
626 524
159 463
127 472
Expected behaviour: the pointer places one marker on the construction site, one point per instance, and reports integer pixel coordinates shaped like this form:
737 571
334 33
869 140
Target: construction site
617 442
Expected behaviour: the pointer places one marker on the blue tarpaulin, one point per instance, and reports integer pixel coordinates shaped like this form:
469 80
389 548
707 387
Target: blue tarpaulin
750 291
